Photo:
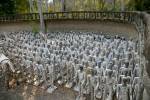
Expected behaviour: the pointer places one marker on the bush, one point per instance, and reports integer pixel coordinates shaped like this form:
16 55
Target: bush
35 29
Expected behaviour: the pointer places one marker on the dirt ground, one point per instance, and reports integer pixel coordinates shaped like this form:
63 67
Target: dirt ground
35 93
113 28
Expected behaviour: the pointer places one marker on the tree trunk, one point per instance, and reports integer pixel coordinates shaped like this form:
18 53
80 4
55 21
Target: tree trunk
114 4
122 5
42 25
81 4
101 4
46 5
54 5
31 6
94 4
63 5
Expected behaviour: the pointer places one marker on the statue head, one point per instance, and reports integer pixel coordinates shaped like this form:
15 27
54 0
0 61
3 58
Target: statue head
124 81
109 73
80 67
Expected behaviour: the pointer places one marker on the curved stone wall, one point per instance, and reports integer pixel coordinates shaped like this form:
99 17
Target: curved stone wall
147 41
146 76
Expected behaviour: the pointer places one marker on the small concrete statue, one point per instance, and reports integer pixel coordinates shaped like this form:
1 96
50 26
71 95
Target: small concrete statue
80 82
123 90
70 75
108 89
51 78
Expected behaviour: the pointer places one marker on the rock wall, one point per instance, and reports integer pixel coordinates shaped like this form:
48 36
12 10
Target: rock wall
147 42
146 76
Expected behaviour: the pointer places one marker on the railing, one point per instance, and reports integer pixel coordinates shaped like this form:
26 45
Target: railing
129 17
135 18
79 15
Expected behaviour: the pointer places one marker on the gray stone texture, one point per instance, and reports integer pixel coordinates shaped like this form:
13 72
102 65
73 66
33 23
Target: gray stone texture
146 76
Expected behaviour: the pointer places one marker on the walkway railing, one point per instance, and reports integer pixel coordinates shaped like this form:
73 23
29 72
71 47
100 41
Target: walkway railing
129 17
76 15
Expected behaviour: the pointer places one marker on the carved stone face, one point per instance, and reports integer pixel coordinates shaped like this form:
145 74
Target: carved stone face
110 72
124 81
81 68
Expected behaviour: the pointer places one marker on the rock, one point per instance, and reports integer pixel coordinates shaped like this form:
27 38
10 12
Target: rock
12 83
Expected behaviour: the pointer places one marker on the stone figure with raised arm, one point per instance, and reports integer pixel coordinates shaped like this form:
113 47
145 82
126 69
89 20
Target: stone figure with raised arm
7 68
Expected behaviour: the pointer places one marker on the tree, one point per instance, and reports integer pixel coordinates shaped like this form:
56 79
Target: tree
101 4
39 4
31 6
7 7
139 5
22 6
146 5
46 5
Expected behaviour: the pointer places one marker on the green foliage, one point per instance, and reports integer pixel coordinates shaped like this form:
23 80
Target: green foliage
35 28
13 6
140 5
146 5
131 5
21 6
7 7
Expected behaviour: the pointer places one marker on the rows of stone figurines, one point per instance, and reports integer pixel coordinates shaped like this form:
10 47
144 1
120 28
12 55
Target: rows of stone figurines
102 66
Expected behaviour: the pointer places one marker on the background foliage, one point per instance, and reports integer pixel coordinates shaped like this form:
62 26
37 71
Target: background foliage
22 6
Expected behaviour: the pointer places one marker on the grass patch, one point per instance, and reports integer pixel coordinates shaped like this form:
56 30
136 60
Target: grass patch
35 28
